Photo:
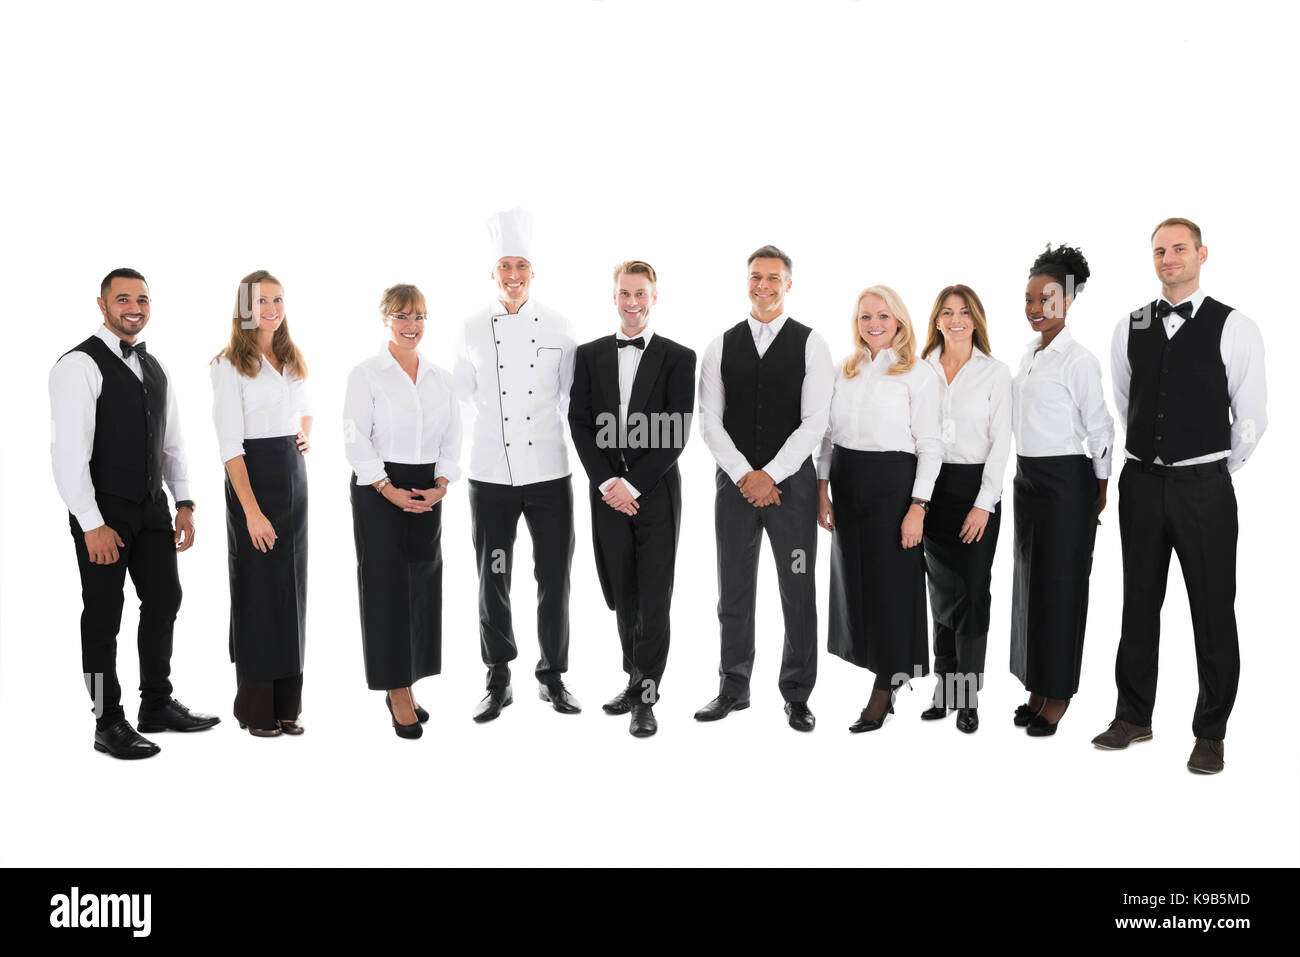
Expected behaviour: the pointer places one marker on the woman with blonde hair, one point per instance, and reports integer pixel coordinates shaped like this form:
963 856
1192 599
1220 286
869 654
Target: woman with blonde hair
261 413
402 437
876 469
961 529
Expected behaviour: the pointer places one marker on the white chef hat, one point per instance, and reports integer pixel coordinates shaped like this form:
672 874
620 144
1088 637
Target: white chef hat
511 233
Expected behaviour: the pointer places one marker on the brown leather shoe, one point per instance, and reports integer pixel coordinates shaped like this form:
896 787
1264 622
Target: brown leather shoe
1120 735
1207 756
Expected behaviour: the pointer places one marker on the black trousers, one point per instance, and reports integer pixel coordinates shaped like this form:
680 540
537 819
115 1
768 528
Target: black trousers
792 532
1191 510
150 556
260 704
636 556
547 508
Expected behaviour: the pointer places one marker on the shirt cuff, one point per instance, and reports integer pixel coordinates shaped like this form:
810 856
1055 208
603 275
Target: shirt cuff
229 452
923 489
775 472
90 519
370 474
180 490
1101 467
987 501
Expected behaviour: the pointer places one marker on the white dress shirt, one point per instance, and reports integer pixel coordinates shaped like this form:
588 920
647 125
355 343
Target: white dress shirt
1059 406
629 360
516 371
1242 348
75 385
975 419
389 418
815 405
878 412
268 405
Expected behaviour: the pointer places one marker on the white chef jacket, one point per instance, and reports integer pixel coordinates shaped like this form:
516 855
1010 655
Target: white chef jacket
516 371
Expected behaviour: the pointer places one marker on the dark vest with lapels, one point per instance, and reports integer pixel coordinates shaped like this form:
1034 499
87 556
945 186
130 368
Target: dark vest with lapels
764 396
130 423
1178 394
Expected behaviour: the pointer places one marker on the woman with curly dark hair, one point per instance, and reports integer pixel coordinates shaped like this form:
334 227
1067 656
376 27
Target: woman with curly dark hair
1064 435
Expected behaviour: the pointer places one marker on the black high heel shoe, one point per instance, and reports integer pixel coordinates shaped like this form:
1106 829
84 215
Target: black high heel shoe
421 715
1024 715
411 731
872 724
1040 727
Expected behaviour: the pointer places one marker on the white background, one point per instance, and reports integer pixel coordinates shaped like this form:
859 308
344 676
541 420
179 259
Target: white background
346 151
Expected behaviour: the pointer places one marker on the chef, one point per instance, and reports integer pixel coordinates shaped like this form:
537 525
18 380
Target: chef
515 368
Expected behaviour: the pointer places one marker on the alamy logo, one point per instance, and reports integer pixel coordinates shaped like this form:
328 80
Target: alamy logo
657 430
102 910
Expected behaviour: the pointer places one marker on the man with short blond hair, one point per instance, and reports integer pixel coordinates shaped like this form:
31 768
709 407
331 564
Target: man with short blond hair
1188 374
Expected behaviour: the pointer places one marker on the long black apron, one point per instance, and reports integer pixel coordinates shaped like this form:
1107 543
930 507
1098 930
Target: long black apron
268 590
1056 526
960 575
877 603
399 581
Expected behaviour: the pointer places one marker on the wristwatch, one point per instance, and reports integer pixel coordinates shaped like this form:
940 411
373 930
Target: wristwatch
440 484
186 503
381 485
925 506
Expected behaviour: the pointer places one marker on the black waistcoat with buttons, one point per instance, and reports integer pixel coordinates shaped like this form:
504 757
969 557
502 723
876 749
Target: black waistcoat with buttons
1178 395
130 423
763 395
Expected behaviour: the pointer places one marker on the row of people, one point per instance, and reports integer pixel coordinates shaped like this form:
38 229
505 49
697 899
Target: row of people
899 456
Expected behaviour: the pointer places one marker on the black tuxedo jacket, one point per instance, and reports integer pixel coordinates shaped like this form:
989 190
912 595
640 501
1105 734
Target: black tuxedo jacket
664 383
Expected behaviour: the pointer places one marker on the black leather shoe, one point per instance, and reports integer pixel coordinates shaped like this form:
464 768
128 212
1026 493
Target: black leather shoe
968 720
801 719
720 707
934 713
421 715
121 741
410 731
492 703
619 704
643 723
290 726
1040 727
559 697
869 724
1024 715
174 716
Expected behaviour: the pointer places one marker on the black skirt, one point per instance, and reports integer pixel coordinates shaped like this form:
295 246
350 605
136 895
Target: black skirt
268 590
399 581
1056 526
960 575
877 604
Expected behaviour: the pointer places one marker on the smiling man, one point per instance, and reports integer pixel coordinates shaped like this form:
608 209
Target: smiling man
115 439
635 489
1188 374
765 395
515 367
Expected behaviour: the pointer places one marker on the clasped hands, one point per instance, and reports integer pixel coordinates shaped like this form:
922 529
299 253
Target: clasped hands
415 500
759 489
619 497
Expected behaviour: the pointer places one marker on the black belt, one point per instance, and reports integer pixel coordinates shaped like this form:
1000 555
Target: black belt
1217 467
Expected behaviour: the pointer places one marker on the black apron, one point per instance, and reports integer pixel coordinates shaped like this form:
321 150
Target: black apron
399 581
960 575
877 603
268 590
1056 526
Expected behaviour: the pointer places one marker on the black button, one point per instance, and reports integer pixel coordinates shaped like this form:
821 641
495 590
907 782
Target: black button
536 320
507 445
530 443
530 365
498 342
530 391
1159 437
1163 394
503 391
507 418
1163 371
494 319
529 418
760 428
532 340
500 367
1160 415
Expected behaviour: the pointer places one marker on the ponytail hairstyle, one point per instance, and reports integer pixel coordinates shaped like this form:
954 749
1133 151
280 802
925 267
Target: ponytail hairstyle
243 351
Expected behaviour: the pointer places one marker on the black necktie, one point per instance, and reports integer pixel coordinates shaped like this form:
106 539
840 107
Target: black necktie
1184 309
639 342
127 349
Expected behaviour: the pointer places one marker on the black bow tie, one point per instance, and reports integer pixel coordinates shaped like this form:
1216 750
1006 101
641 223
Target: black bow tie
1184 309
639 342
127 348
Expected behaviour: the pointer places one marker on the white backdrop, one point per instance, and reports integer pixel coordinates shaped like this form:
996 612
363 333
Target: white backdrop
347 151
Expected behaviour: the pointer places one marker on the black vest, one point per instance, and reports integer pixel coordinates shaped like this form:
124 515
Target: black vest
763 396
1178 395
130 423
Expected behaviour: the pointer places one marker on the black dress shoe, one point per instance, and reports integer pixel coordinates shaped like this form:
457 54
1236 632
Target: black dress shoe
643 723
121 741
869 724
934 713
619 704
1024 714
1040 727
968 720
801 719
421 715
410 731
290 726
261 732
559 697
174 716
720 707
492 703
